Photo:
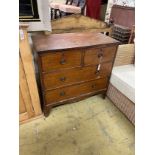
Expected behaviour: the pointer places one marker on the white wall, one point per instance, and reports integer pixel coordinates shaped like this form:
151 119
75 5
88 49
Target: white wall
44 14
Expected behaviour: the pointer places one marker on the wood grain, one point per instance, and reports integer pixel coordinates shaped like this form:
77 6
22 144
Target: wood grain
22 108
60 60
90 58
72 76
99 55
76 22
23 117
27 60
107 31
24 90
65 93
69 41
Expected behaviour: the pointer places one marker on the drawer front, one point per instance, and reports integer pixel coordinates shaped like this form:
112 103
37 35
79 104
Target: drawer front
99 55
65 93
71 76
59 60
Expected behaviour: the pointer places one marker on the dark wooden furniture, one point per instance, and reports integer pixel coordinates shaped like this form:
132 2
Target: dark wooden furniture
73 66
123 15
132 35
123 20
121 33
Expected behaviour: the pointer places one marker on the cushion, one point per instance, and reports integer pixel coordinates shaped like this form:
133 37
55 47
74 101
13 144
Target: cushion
70 9
55 5
123 78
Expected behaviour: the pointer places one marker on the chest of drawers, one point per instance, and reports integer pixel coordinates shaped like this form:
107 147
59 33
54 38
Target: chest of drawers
73 66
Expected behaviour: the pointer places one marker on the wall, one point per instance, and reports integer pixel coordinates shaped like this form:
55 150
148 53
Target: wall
118 2
44 14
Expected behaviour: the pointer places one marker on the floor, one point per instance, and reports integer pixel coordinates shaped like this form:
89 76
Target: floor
90 127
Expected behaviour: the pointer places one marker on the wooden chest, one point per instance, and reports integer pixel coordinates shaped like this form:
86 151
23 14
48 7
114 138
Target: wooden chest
73 66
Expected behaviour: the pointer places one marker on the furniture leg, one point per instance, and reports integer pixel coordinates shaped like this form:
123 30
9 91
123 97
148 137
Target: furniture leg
60 13
55 14
46 111
51 14
103 96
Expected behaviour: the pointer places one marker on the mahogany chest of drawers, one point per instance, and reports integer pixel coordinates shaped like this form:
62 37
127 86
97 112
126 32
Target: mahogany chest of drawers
73 66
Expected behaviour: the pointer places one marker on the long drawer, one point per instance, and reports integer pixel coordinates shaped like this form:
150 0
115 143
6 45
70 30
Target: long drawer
60 60
54 96
72 76
99 55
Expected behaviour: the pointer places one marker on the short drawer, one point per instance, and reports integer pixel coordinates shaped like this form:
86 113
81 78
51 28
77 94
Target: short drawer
54 96
59 60
71 76
99 55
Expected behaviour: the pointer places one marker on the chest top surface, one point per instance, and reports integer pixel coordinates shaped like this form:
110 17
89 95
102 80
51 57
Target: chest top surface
70 40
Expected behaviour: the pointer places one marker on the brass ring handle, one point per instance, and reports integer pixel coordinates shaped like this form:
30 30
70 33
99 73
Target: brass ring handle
62 93
62 79
97 72
62 61
100 55
93 85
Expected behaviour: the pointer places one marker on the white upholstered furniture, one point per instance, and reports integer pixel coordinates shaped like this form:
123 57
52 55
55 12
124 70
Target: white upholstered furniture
121 90
123 78
70 9
55 7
